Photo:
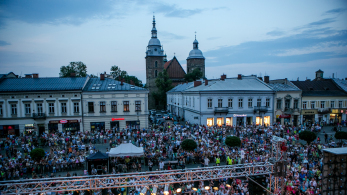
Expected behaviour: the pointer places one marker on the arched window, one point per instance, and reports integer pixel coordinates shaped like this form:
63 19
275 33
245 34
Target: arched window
155 73
156 64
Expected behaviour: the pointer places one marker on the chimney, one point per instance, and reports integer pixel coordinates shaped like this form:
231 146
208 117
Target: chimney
333 75
197 83
132 82
223 77
72 74
206 82
261 78
35 75
102 77
29 76
122 82
239 76
267 79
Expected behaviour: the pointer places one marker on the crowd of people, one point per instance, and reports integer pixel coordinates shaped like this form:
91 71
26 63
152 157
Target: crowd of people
67 153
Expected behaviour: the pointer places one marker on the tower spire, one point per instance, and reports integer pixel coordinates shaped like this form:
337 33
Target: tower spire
154 30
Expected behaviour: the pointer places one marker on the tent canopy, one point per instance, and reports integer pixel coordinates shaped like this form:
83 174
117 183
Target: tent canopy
97 156
126 149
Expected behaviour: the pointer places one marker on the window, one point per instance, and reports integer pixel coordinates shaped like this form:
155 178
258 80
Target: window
186 101
102 106
258 102
220 103
230 103
137 105
156 64
304 105
75 95
50 95
114 106
63 107
38 96
51 107
62 95
27 109
250 103
296 104
13 109
90 106
312 104
155 73
76 107
0 109
240 103
39 108
26 96
126 106
322 104
267 102
287 104
279 104
209 103
332 104
340 104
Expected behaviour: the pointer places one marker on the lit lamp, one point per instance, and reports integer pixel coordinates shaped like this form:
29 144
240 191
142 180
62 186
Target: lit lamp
143 191
178 187
196 186
215 185
206 185
229 182
166 189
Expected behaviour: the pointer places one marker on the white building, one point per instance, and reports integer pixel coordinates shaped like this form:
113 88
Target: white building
40 105
111 104
245 100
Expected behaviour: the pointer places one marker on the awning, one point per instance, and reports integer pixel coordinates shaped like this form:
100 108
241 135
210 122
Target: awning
285 116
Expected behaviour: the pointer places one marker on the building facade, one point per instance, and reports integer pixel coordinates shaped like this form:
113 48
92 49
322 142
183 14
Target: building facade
37 105
245 100
111 104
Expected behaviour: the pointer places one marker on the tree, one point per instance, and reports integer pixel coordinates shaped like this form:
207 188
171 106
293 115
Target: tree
136 81
117 73
341 135
193 76
79 68
37 154
308 136
164 84
188 145
233 141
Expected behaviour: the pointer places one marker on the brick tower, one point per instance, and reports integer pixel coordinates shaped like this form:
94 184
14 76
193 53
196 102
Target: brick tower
196 59
154 64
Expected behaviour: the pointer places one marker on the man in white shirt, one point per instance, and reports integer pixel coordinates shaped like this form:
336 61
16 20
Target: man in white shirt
161 165
206 161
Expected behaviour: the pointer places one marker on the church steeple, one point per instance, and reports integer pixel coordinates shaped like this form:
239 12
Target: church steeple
154 30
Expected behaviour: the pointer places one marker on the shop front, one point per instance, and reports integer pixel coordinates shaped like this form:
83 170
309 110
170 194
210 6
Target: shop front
132 124
229 121
210 122
286 118
97 126
240 119
29 129
6 130
336 116
53 126
114 124
308 117
71 126
220 121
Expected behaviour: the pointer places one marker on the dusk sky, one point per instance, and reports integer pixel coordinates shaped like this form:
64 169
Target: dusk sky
282 39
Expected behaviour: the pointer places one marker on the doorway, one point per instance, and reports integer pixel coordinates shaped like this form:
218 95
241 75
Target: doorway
41 128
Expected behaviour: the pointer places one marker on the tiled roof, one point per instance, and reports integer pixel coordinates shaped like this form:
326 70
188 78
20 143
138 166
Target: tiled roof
167 64
341 83
319 88
42 84
95 84
283 87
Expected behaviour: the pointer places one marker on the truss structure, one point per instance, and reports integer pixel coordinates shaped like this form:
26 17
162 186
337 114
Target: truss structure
33 186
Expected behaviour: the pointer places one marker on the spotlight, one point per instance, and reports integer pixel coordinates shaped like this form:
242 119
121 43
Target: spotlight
166 189
206 185
196 186
154 190
215 185
178 187
229 182
143 191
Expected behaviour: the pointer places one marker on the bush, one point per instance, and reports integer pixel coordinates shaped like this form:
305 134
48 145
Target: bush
233 141
188 145
37 154
340 135
308 136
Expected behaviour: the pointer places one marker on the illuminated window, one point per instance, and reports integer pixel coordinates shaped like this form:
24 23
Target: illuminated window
267 120
210 121
137 105
229 121
102 106
220 121
258 121
126 106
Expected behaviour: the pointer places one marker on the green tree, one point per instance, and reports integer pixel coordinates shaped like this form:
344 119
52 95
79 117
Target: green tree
193 76
233 141
79 68
188 145
117 73
341 135
164 84
308 136
37 154
136 81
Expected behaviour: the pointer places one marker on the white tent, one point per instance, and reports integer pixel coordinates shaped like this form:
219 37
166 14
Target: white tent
126 149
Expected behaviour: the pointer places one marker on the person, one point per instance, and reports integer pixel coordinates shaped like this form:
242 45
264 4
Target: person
161 165
217 161
181 162
150 165
206 161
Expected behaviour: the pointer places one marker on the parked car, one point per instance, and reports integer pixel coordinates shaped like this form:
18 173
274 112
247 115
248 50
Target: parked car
158 116
166 117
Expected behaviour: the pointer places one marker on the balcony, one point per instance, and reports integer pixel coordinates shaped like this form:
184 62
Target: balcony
288 110
221 110
259 109
39 116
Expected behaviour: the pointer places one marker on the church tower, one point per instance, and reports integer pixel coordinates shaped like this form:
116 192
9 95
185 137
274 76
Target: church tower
154 64
196 59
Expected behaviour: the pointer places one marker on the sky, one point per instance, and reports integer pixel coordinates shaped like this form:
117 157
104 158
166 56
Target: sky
281 39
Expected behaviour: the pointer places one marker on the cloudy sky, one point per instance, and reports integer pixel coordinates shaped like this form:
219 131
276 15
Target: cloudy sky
282 39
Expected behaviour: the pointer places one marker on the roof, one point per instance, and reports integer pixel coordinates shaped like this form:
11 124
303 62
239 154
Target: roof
42 84
126 149
247 83
97 155
283 87
182 87
324 87
341 83
337 151
95 84
167 64
174 69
